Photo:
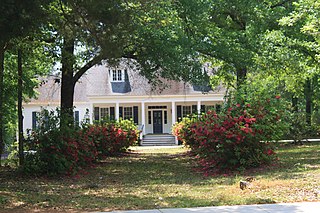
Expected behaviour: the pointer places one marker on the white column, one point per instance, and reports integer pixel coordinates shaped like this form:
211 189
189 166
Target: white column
143 118
199 107
173 117
91 114
173 112
117 111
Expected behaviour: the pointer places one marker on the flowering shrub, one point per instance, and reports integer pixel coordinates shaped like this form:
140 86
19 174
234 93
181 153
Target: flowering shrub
236 138
111 138
65 151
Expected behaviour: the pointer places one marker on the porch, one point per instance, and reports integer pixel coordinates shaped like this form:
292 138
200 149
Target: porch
155 116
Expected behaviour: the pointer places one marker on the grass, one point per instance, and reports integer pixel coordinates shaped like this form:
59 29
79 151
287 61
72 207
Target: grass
163 178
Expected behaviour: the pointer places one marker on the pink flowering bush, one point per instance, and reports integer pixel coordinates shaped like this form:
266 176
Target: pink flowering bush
238 137
112 138
68 150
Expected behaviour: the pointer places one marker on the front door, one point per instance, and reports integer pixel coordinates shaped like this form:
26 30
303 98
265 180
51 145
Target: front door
157 122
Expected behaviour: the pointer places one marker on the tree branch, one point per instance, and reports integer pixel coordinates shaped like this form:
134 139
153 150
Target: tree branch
280 4
96 60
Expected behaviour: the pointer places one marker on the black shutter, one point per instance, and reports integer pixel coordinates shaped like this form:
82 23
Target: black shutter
76 118
149 117
179 113
194 109
203 108
96 113
34 120
135 114
112 114
165 117
120 112
126 77
218 108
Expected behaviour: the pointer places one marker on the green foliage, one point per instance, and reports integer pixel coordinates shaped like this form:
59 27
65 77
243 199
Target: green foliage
239 137
54 150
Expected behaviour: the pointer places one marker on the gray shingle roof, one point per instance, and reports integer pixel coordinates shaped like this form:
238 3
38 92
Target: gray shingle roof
96 82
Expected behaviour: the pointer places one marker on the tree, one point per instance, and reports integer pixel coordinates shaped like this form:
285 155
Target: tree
229 32
17 20
147 31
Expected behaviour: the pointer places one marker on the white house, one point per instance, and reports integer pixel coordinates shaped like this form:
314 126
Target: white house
120 92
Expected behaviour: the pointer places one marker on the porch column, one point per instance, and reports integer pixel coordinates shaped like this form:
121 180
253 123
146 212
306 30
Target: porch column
173 112
91 114
173 117
117 111
143 118
199 107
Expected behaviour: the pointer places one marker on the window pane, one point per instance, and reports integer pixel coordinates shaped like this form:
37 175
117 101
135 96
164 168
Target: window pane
186 110
119 75
127 112
104 113
114 75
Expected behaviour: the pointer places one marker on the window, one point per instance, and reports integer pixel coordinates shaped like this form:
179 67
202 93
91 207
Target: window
157 107
35 120
186 110
117 75
76 118
104 113
127 113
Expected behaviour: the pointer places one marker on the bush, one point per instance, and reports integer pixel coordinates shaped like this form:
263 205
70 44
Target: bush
238 137
67 150
112 138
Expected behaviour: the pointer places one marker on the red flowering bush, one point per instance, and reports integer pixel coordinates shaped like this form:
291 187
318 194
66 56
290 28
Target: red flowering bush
236 138
67 150
111 138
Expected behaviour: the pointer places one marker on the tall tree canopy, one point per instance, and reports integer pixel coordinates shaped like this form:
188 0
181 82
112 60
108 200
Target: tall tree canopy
148 31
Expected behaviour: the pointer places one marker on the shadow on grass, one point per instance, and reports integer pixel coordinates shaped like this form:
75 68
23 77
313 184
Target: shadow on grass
148 180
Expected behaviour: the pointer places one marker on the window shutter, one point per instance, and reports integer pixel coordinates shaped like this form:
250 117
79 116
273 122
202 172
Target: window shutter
76 118
126 77
218 108
194 109
120 112
179 113
34 120
149 117
112 114
203 108
135 114
96 113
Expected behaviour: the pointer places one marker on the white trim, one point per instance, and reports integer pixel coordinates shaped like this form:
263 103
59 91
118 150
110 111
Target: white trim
143 118
164 99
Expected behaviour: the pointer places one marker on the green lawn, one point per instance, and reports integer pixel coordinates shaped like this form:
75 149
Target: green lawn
160 178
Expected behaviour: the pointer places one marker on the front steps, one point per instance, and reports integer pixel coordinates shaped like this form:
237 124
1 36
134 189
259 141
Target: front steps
158 140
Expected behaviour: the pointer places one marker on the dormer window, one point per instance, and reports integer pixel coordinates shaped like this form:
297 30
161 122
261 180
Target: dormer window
117 75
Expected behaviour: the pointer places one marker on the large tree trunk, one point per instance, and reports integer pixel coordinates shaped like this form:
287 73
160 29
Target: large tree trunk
241 76
2 51
308 96
20 117
67 82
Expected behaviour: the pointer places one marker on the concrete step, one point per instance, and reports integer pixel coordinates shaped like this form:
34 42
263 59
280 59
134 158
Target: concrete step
158 140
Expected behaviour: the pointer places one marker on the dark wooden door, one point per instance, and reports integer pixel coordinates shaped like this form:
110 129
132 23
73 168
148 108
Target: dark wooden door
157 122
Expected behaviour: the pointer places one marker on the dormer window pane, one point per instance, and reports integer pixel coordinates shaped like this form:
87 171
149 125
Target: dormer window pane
114 75
119 75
